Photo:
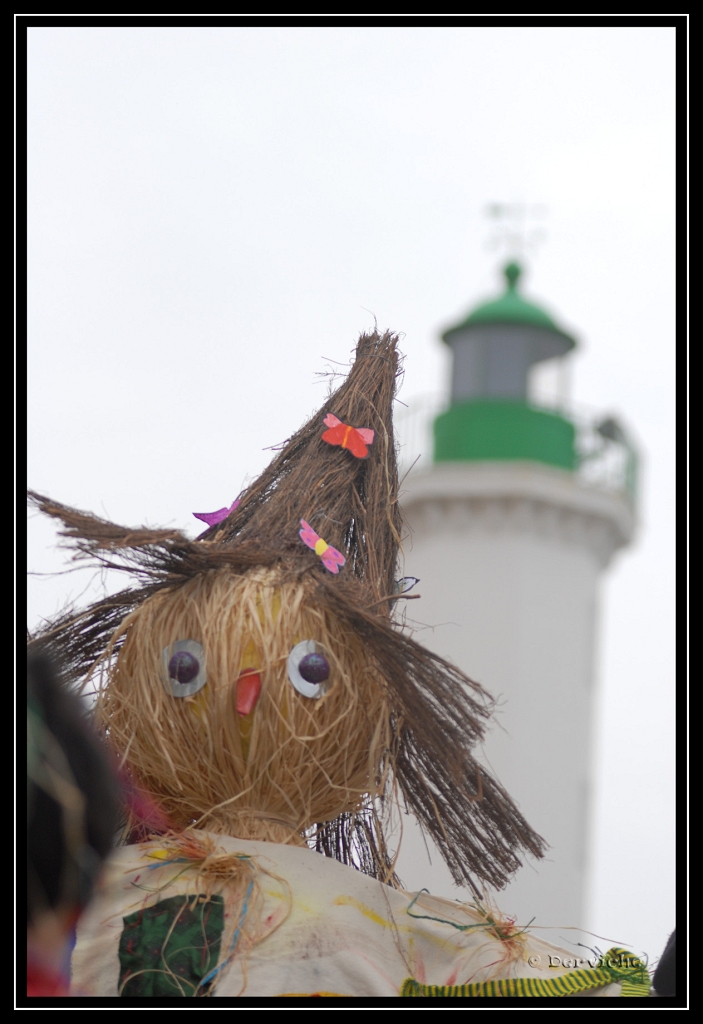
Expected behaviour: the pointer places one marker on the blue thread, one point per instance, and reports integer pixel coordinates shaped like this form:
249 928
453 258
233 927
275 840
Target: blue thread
165 863
242 915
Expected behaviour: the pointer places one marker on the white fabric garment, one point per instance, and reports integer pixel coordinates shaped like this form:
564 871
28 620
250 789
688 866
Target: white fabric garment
327 929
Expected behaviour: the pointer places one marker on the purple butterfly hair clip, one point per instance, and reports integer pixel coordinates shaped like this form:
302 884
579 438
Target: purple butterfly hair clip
213 518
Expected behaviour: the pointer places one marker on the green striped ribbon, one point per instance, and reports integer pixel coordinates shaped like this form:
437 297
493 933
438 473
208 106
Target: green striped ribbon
618 965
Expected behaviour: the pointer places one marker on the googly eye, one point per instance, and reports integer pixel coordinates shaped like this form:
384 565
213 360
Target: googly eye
309 669
184 663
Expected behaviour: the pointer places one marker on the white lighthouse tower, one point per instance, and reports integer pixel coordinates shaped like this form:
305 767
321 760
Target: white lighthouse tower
509 532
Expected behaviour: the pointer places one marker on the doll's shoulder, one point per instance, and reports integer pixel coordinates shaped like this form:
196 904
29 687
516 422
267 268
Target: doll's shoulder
209 915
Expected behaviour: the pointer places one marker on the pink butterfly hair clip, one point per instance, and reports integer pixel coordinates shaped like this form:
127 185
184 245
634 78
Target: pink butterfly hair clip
331 558
355 439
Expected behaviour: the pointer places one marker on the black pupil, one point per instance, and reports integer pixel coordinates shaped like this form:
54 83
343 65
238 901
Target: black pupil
314 668
183 667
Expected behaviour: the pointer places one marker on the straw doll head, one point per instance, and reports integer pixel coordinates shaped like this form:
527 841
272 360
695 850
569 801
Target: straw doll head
279 720
256 683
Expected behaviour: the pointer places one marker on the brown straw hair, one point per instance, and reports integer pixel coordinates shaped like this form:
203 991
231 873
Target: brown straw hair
433 714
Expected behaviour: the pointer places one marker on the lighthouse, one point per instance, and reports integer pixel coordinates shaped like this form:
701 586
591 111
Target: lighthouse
510 529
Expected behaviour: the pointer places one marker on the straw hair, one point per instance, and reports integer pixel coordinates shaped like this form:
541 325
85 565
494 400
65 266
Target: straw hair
400 721
307 760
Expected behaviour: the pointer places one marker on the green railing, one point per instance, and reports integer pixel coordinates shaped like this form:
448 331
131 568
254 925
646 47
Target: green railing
606 457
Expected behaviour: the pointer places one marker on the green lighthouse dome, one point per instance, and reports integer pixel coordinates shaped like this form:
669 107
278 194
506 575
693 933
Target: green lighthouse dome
510 308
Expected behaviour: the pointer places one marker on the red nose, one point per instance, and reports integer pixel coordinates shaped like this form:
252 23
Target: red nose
248 690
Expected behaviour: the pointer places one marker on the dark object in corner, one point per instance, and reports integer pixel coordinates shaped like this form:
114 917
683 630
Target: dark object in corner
72 797
664 980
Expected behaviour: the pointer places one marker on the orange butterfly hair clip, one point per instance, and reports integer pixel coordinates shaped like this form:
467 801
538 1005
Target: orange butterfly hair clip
355 439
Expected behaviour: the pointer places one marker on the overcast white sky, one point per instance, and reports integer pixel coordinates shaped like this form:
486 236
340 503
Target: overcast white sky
212 212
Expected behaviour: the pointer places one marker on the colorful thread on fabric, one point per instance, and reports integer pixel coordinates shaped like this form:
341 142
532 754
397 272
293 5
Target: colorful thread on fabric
168 949
503 930
233 943
203 866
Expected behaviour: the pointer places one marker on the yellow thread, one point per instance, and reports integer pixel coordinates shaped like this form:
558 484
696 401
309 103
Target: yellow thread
366 911
440 940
